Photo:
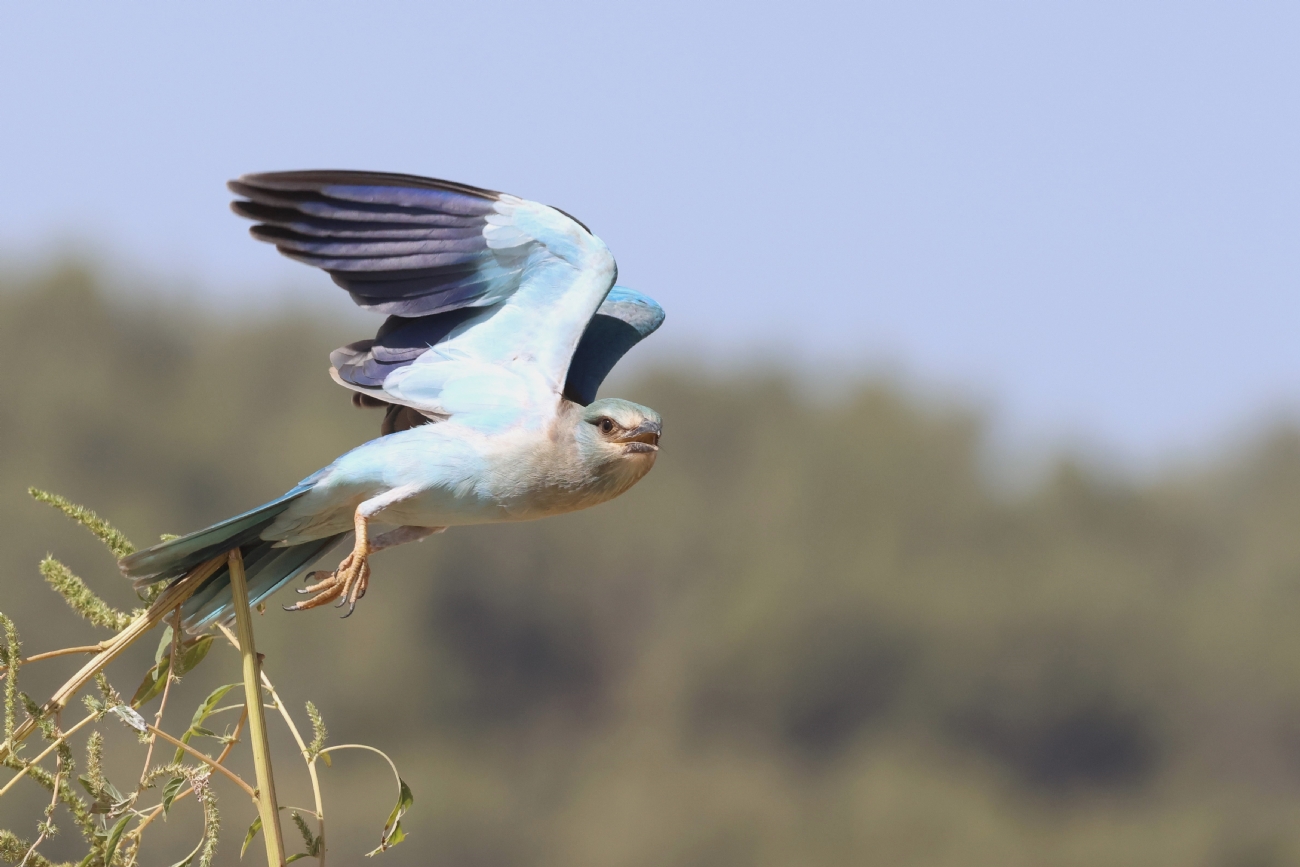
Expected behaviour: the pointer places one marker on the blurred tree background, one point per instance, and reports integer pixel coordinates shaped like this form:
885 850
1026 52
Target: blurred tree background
817 634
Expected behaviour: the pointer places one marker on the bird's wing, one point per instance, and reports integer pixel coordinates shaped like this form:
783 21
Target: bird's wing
624 319
415 246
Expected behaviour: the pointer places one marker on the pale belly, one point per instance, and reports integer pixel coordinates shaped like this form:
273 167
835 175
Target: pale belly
438 479
443 508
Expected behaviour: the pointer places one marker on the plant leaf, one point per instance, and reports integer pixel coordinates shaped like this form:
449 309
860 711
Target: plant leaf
393 833
156 678
113 791
193 654
252 832
154 681
114 836
164 644
298 855
103 801
170 791
208 705
248 838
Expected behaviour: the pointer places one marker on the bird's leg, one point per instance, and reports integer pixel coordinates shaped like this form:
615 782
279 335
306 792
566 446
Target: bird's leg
355 568
348 583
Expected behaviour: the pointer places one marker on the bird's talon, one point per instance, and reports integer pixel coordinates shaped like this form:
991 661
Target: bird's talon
344 586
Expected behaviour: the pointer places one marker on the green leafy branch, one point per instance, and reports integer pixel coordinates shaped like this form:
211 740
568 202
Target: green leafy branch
112 819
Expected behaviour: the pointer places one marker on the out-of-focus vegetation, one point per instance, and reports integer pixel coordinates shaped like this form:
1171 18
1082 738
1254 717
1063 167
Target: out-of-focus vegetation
815 634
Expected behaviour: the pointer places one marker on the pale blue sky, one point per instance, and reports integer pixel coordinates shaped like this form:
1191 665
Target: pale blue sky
1088 212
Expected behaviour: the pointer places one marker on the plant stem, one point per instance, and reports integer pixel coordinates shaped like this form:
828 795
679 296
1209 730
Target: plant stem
302 747
176 593
266 802
51 748
167 688
54 802
66 651
311 772
207 760
220 760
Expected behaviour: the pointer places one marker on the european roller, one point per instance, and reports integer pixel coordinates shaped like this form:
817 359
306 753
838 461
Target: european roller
503 320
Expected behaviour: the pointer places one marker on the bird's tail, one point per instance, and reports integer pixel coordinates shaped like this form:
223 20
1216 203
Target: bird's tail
267 567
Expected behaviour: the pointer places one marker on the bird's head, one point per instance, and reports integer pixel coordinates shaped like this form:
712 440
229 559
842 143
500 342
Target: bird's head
619 431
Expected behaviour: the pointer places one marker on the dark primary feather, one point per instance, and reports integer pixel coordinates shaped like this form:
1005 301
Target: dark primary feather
400 244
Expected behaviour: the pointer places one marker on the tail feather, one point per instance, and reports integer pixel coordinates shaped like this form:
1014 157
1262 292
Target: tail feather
266 568
175 557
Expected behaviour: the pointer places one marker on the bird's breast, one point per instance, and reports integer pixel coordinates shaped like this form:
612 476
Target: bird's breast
546 475
462 477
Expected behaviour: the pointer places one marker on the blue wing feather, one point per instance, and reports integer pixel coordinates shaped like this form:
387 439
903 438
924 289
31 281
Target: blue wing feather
624 319
420 248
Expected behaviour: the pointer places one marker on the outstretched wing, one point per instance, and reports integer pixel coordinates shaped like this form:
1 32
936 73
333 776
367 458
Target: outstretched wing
624 319
414 246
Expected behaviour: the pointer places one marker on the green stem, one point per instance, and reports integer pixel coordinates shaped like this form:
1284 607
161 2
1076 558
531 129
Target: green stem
266 802
278 704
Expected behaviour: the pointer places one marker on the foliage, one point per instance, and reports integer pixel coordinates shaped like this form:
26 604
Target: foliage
113 820
830 627
114 539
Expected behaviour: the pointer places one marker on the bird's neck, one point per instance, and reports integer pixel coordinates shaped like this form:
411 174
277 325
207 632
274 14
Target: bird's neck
552 471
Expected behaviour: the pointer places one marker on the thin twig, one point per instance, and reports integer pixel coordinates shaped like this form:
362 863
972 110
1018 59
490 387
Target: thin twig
66 651
221 758
54 800
207 760
367 747
51 748
176 593
167 688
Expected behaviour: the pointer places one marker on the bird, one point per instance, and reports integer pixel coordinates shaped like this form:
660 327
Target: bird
503 319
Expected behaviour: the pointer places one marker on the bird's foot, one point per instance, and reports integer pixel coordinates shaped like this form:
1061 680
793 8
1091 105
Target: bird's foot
347 584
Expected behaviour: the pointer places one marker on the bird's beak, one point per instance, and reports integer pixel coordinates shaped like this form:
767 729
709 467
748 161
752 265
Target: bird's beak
643 438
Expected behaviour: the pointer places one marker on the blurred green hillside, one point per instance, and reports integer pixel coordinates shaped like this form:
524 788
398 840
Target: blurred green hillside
814 635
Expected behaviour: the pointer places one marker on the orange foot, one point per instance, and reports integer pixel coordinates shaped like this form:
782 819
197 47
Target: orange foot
347 584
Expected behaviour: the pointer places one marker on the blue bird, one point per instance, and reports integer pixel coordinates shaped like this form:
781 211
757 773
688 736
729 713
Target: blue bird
503 320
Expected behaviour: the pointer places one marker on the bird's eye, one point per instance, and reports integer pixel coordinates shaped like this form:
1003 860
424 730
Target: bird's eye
606 426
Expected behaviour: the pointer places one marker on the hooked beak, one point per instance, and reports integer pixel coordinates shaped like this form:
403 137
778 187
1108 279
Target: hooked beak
643 438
